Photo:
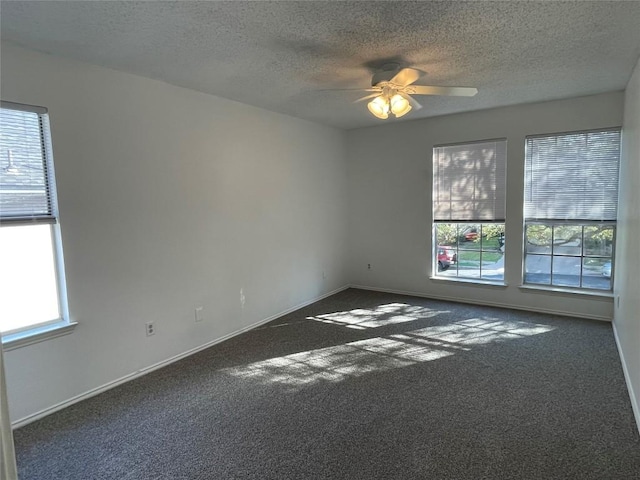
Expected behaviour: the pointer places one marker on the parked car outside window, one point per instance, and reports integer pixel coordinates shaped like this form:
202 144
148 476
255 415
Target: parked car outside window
446 256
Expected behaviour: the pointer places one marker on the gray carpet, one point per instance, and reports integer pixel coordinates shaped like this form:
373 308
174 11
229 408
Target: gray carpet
362 385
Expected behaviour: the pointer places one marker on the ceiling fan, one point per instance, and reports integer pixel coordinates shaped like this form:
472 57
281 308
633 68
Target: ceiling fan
393 88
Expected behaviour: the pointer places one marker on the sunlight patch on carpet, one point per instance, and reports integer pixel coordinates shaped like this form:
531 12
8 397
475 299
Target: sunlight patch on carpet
388 314
379 354
476 331
337 363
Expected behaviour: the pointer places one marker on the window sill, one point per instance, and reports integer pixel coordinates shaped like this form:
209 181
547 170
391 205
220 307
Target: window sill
13 341
566 291
469 281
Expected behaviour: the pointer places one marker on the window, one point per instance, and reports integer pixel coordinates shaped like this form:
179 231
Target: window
31 273
571 198
469 210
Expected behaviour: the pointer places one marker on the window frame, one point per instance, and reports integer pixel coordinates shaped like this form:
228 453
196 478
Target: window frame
582 256
577 222
62 325
480 279
499 189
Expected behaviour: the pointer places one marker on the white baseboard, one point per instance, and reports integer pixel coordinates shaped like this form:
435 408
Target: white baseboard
634 399
483 302
143 371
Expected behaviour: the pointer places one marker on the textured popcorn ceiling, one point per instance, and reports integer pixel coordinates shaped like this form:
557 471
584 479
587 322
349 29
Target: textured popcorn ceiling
289 56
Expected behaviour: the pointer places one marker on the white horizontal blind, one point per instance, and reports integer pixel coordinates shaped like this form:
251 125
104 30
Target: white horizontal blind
25 179
572 176
469 181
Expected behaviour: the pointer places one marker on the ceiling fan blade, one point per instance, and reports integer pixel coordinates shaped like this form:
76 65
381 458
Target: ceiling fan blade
406 76
412 101
370 89
432 90
367 97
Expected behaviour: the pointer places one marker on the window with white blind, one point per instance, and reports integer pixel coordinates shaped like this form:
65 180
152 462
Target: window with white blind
570 208
31 269
469 203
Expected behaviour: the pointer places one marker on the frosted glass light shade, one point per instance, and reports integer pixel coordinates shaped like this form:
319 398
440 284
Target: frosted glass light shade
379 107
400 105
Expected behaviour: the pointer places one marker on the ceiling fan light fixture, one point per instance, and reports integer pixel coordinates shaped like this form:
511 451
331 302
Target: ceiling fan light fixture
394 88
379 107
399 105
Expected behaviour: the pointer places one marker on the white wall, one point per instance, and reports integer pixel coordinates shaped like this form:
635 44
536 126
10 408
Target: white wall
390 212
171 199
627 314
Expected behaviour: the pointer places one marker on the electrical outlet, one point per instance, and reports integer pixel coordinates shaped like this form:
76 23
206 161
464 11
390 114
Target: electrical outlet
199 314
150 328
368 266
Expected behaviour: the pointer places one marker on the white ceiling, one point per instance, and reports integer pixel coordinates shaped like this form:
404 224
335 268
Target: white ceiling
288 56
